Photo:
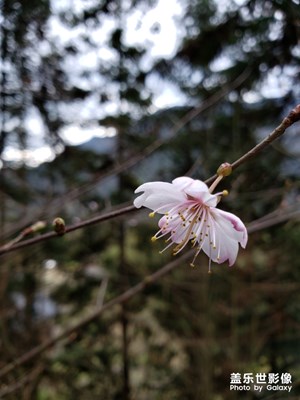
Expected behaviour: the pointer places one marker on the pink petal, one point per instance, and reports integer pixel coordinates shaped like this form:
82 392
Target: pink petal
236 224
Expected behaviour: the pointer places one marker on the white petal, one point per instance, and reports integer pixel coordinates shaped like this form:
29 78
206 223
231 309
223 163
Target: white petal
182 182
198 186
153 187
226 249
158 196
200 191
222 235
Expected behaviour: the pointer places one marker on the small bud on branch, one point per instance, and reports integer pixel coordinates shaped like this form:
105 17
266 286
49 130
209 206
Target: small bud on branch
224 169
59 226
38 226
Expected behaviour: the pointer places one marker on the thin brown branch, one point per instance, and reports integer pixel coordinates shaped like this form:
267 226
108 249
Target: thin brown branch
124 297
276 219
92 221
27 231
226 89
33 375
293 117
189 116
56 204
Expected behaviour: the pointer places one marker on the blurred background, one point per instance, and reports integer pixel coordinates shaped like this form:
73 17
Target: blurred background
97 97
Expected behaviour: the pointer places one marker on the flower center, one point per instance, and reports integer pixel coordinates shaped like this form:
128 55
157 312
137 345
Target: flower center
190 232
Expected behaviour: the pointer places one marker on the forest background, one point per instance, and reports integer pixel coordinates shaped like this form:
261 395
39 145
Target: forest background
98 69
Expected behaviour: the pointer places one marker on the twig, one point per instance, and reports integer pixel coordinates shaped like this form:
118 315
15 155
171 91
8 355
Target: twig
100 218
276 219
22 382
293 117
56 204
189 116
124 297
37 226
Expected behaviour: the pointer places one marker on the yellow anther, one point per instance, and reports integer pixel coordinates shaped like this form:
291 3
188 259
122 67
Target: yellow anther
225 193
192 265
151 215
153 239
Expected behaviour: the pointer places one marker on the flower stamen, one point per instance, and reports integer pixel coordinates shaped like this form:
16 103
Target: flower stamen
186 239
190 214
215 183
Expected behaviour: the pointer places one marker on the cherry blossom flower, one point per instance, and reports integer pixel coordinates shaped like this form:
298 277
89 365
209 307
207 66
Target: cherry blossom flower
190 215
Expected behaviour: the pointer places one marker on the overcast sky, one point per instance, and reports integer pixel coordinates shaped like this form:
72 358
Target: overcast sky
159 43
162 42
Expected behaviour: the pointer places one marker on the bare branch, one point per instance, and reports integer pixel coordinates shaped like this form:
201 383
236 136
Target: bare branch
100 218
293 117
127 295
56 204
33 375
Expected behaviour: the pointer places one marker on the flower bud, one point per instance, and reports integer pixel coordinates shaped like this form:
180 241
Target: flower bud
224 169
59 226
36 227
